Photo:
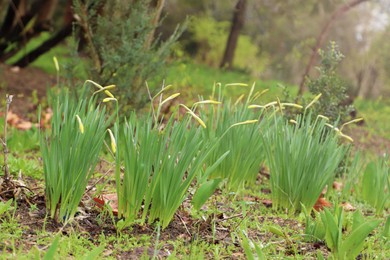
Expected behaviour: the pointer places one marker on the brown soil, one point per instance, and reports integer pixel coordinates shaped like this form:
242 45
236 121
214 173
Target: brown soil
183 228
23 84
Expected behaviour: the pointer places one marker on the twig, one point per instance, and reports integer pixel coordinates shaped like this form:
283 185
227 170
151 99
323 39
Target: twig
101 178
227 218
239 223
4 141
185 226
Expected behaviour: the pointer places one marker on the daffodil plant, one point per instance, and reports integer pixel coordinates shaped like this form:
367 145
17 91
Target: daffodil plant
235 128
303 156
70 152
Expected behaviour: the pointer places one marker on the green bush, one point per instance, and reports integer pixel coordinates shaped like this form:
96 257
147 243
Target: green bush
333 102
118 47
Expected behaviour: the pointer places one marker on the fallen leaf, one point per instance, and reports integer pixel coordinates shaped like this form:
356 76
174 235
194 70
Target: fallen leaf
12 118
15 69
324 190
111 199
321 204
267 203
337 186
247 198
24 125
17 122
347 206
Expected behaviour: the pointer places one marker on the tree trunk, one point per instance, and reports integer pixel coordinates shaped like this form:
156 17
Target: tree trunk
237 24
158 6
44 47
321 37
16 9
24 22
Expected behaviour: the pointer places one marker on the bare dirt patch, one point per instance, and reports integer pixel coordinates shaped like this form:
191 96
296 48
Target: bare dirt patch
26 85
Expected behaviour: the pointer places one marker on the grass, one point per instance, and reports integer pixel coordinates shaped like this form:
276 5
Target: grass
376 115
198 80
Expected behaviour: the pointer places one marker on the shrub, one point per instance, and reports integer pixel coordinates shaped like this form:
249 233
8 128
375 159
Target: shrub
118 46
333 103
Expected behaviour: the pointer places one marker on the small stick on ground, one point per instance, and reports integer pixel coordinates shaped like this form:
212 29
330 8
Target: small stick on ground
4 141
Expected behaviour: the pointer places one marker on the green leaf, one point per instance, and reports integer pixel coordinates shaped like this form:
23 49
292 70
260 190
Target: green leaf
259 252
52 249
94 254
247 249
276 231
354 242
4 207
357 219
333 230
212 168
204 192
368 188
386 229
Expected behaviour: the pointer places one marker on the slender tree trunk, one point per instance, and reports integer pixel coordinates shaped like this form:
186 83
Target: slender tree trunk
237 24
321 37
13 11
158 6
44 47
24 22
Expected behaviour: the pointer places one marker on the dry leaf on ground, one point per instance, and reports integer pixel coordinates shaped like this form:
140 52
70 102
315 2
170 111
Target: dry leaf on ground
111 199
347 206
321 204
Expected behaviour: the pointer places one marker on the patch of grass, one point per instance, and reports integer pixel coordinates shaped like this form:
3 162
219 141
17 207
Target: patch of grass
198 80
376 115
